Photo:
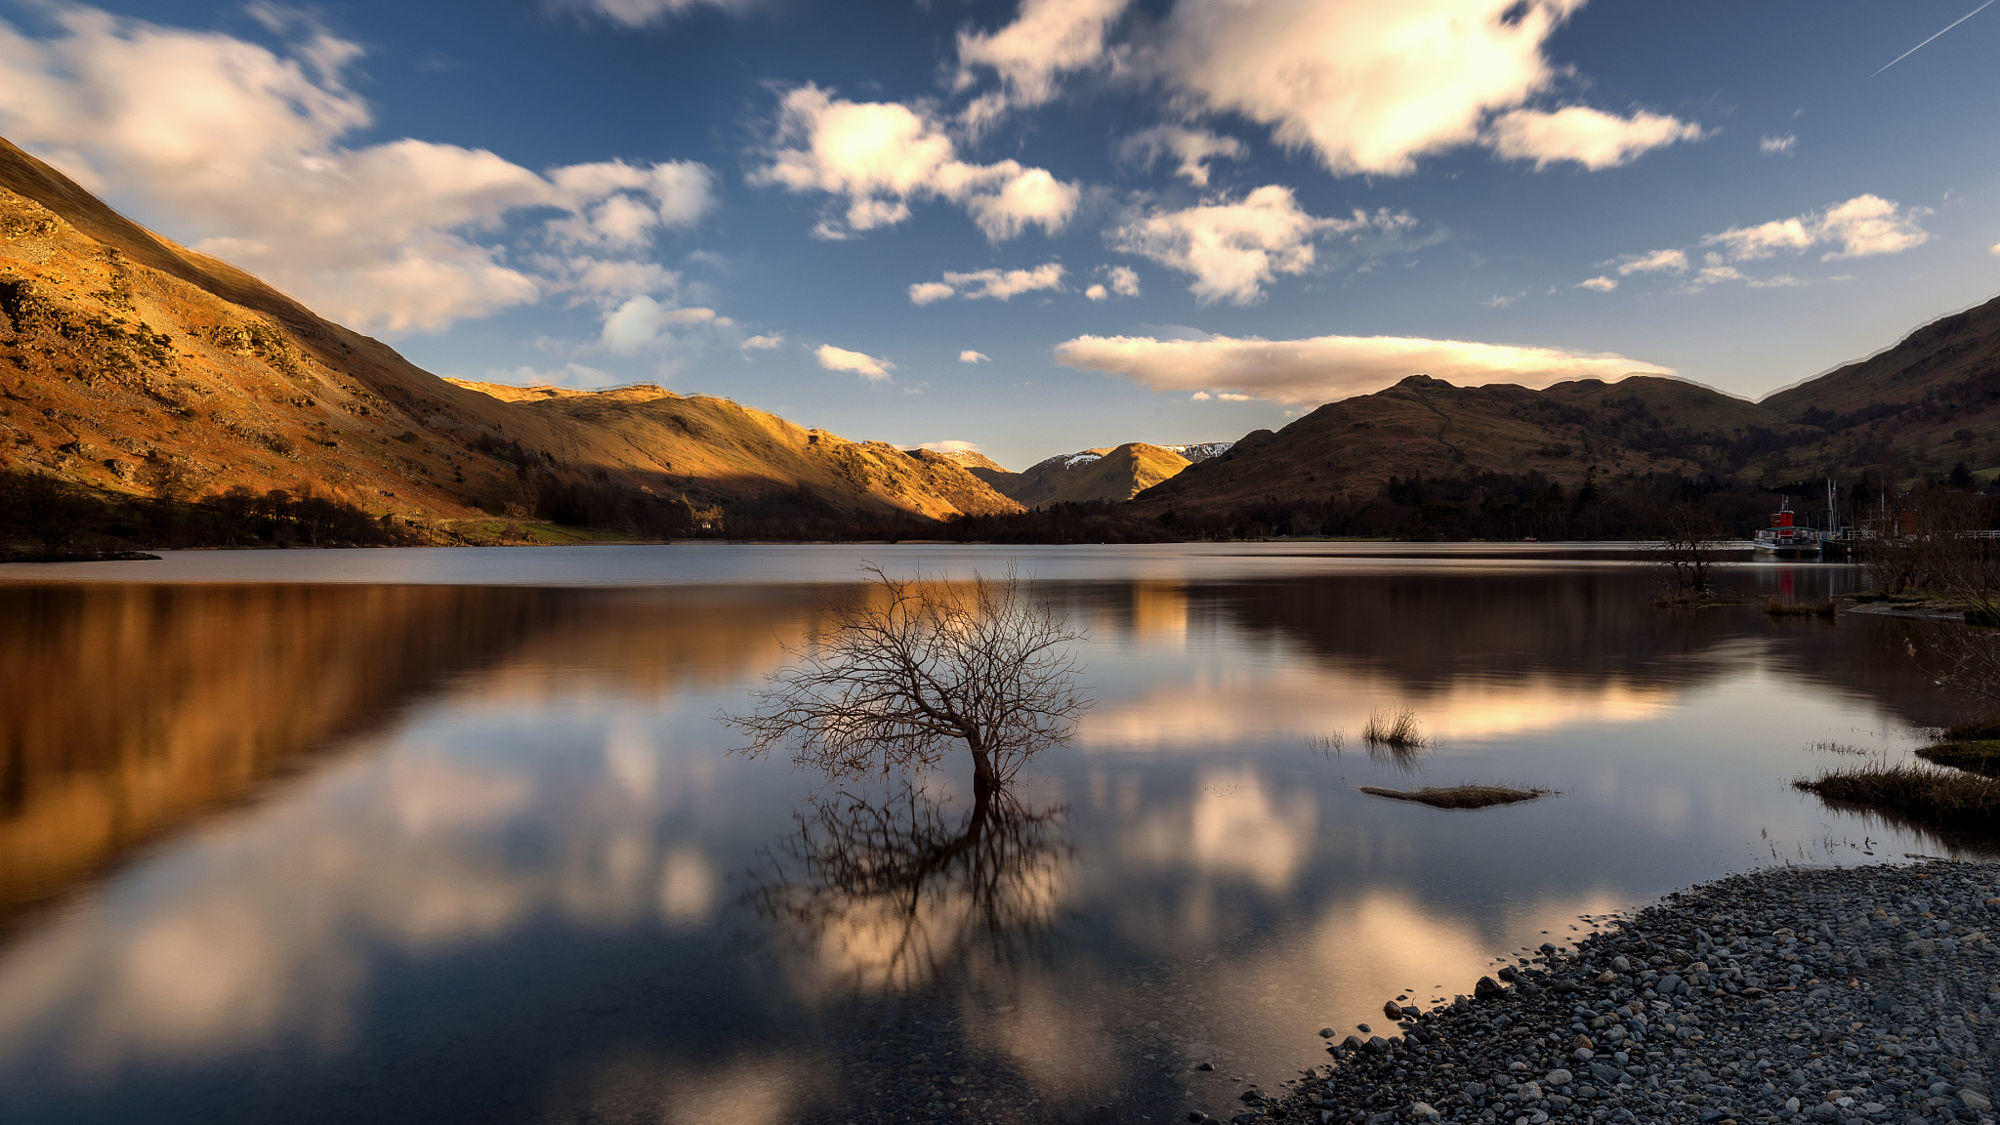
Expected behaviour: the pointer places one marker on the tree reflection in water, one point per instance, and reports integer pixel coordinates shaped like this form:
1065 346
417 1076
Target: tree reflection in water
896 889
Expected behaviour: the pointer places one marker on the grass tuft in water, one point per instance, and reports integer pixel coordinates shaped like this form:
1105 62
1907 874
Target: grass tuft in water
1938 798
1458 796
1399 731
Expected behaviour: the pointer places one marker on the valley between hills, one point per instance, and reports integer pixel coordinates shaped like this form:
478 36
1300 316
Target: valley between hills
134 370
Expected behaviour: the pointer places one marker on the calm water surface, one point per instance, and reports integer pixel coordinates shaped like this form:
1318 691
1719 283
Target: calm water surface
422 835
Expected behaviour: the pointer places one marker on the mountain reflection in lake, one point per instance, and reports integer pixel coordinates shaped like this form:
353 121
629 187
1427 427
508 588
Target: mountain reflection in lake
438 852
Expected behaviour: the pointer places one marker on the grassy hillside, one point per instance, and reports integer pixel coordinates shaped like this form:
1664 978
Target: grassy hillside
129 364
1427 427
716 452
1922 406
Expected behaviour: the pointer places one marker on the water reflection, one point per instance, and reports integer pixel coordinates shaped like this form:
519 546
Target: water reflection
447 852
894 889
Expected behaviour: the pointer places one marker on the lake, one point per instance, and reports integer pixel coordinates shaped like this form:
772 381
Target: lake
457 834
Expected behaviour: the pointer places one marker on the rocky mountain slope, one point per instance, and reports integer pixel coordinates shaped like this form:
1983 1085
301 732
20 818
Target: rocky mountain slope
714 451
122 353
970 458
1110 474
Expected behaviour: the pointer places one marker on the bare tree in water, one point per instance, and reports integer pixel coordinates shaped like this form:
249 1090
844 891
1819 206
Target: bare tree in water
1690 551
919 670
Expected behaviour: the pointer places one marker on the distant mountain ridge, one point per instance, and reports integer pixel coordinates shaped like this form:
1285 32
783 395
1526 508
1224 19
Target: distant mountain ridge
1108 474
1916 409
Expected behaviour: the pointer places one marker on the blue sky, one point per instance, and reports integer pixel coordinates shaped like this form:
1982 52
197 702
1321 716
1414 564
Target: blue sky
1163 220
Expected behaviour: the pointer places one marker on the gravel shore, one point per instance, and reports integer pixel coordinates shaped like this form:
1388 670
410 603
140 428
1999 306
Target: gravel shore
1856 995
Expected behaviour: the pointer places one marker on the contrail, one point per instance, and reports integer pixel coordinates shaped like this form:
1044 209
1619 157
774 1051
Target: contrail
1927 42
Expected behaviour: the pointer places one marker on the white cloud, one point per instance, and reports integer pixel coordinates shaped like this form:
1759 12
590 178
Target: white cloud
952 445
1772 146
1367 85
1121 280
860 363
613 278
641 13
1590 137
1675 260
1327 368
882 156
1995 249
1192 149
1231 396
970 356
1501 300
621 205
988 284
641 322
1047 39
240 151
1234 249
1863 226
1599 284
763 343
1200 396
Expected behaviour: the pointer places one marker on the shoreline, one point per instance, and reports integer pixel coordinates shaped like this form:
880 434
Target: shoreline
1814 994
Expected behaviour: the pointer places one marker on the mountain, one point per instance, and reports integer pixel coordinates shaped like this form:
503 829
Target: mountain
1201 451
1109 474
122 352
969 458
1426 427
1914 410
1929 402
716 452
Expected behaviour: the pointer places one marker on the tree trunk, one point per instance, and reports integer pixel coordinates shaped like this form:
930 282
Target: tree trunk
984 781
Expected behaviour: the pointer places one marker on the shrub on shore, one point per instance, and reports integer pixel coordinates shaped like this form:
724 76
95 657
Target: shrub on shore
1458 796
1978 756
1776 608
1938 798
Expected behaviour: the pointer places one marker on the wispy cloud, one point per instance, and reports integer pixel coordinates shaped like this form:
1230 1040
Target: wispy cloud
988 284
1326 368
1778 146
